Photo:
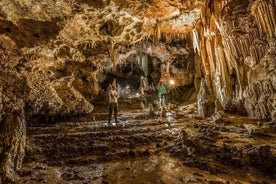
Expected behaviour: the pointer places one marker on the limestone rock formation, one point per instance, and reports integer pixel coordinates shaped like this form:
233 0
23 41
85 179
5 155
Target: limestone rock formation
206 104
13 92
237 43
56 54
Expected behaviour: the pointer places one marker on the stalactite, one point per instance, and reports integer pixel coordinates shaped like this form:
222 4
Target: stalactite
145 64
230 51
211 60
131 66
115 56
168 38
254 54
157 32
221 77
138 59
239 45
205 64
113 52
195 42
264 13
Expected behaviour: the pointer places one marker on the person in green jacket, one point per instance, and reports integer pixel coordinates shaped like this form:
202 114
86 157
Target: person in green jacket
162 93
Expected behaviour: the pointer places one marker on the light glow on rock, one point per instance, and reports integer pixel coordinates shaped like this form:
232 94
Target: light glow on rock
172 82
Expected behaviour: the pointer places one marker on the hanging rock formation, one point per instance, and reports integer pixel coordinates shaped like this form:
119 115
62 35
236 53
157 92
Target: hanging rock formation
237 44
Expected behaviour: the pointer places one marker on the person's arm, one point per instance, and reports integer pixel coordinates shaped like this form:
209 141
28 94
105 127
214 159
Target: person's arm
114 94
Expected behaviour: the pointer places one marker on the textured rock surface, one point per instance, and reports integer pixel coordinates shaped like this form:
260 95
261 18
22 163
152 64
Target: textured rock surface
206 104
237 44
180 148
13 91
55 54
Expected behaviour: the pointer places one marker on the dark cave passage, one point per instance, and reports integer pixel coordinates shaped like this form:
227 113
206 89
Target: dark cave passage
129 73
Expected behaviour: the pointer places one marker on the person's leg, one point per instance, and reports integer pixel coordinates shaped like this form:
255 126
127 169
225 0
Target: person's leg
165 99
160 99
116 112
110 112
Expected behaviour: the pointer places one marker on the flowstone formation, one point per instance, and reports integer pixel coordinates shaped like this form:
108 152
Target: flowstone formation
56 56
237 46
13 90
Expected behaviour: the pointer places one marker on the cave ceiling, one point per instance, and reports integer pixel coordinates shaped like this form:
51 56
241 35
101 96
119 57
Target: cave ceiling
101 25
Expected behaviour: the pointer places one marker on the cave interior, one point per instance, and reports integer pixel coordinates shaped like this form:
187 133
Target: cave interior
59 59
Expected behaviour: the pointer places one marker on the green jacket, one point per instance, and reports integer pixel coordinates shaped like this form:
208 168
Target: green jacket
161 90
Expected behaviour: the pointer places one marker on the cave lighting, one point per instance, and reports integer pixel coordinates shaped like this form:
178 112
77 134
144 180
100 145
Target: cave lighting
172 82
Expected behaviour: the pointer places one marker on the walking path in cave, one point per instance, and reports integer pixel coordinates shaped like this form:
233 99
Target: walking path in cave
143 149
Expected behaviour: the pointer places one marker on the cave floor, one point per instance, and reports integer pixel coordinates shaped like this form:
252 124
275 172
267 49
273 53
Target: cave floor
147 149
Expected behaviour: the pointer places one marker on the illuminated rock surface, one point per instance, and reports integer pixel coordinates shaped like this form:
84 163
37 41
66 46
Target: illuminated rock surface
57 58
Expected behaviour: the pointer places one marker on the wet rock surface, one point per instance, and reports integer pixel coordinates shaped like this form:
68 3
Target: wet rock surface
145 149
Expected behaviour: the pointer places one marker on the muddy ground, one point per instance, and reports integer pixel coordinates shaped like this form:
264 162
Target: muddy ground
149 148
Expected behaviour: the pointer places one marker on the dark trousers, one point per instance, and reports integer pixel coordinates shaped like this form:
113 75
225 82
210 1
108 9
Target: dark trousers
113 107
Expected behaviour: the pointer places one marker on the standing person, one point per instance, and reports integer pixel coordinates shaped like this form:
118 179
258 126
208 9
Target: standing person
166 86
162 92
113 104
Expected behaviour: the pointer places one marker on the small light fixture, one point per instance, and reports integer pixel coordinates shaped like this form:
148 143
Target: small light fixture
172 82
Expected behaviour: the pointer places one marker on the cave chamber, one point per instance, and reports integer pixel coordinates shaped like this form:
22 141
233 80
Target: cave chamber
216 57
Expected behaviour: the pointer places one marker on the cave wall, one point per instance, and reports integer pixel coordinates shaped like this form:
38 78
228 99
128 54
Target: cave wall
13 91
237 48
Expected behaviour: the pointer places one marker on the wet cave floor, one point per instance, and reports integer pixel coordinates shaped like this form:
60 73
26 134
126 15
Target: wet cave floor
147 148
